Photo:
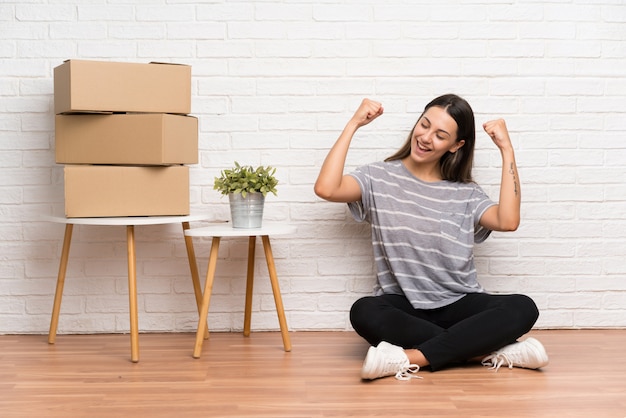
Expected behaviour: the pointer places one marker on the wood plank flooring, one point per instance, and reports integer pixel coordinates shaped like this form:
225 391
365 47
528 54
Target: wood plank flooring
92 376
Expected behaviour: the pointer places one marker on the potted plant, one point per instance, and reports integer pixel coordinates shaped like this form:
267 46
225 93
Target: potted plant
246 188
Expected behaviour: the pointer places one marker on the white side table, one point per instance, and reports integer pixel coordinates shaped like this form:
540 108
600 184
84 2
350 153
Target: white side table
226 230
130 223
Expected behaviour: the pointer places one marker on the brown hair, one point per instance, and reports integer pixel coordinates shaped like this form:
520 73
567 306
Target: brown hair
455 166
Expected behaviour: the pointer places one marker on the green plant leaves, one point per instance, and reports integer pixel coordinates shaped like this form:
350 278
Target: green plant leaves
246 179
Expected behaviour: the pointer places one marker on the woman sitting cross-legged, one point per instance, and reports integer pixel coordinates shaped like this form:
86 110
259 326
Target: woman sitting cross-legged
426 213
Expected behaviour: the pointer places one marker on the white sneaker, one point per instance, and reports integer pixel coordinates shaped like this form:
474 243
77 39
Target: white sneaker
388 360
528 354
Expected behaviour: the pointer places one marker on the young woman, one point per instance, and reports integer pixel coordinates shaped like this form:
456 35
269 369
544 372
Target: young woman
426 213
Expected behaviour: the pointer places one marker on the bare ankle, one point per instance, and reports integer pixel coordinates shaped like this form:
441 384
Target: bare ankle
416 357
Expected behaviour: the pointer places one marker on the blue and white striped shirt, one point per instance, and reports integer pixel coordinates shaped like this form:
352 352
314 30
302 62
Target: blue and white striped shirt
423 233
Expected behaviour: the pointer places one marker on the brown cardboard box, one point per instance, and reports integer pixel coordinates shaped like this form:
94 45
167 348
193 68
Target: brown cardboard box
97 86
103 191
132 139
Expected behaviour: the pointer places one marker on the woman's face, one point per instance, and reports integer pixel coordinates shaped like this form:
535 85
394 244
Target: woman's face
434 134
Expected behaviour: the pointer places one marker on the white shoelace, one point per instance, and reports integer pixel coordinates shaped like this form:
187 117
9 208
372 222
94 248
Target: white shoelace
494 361
408 372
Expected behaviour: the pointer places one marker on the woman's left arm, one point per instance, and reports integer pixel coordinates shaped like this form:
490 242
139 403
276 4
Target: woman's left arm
505 216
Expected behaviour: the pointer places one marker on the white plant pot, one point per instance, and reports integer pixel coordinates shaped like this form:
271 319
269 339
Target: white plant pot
246 212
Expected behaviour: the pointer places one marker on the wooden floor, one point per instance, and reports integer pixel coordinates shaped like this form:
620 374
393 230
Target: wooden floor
92 376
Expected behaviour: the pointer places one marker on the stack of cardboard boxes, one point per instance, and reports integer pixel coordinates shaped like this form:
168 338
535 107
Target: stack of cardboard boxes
124 134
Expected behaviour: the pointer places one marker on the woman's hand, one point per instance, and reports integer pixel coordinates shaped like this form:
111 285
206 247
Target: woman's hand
499 134
367 112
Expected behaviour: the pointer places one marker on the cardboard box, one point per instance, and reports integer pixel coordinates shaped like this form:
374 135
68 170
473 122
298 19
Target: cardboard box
132 139
97 86
103 191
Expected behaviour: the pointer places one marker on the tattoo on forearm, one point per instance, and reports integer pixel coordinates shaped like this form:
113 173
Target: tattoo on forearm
512 172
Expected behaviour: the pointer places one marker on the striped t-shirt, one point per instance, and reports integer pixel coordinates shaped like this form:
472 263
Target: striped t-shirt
423 233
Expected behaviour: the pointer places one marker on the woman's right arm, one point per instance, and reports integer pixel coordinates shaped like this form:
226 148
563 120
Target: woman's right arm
332 184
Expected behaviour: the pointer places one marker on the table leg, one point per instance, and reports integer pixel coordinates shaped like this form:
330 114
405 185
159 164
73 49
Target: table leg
195 276
56 308
247 317
269 257
206 298
132 294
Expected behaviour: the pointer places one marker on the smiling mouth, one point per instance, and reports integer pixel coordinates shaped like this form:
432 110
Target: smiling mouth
421 147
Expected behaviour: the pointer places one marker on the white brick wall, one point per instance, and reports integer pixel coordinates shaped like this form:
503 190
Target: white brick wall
273 83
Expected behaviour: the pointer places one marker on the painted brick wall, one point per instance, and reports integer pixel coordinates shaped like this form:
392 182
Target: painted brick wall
274 83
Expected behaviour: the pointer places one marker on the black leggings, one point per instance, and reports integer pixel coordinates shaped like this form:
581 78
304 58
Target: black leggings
475 325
